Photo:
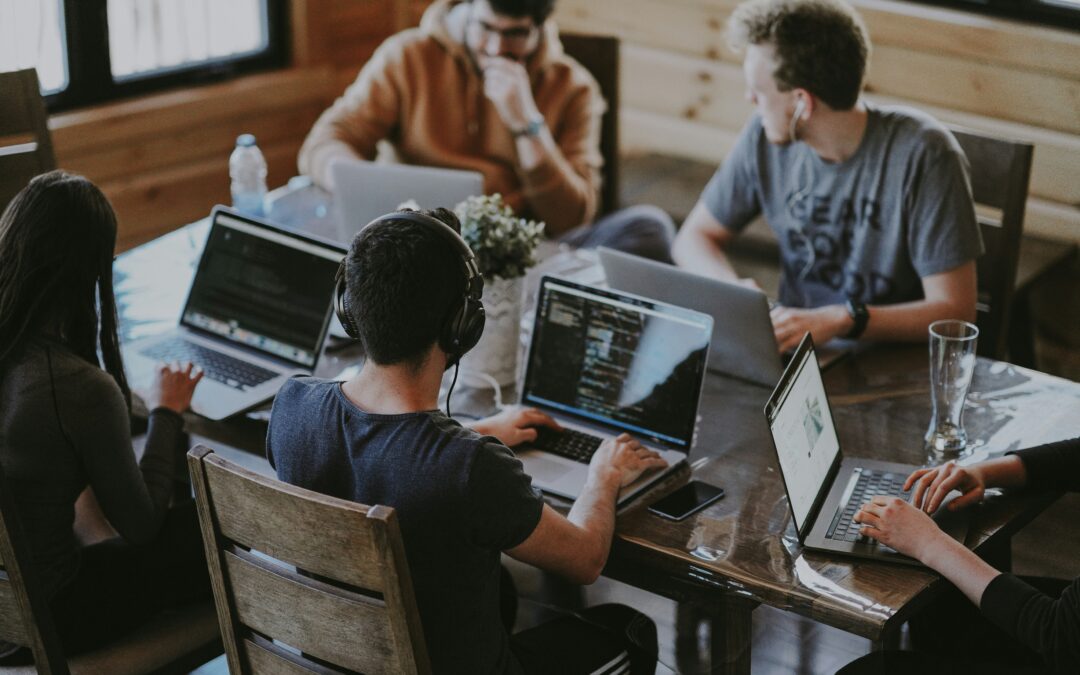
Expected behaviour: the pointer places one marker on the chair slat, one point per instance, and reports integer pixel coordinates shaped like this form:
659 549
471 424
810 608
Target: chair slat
309 532
270 659
12 625
352 631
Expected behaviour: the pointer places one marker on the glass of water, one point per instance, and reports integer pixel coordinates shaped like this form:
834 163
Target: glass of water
952 362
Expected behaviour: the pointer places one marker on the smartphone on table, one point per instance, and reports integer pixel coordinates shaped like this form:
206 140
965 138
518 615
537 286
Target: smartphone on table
687 500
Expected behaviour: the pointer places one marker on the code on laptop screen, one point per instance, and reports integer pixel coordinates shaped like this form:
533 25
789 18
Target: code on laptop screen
263 290
620 360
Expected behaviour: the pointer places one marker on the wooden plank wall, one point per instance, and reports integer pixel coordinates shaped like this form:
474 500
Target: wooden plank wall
683 91
163 159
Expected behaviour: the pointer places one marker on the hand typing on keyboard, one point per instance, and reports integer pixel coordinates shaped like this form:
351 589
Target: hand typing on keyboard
622 459
515 425
173 386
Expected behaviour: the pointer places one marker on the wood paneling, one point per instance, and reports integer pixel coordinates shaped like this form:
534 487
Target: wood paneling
683 91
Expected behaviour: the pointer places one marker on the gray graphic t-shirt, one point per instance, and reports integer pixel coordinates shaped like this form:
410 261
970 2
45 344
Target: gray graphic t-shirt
868 228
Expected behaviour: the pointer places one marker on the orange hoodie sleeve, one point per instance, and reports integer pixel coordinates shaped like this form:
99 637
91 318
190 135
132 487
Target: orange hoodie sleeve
563 190
365 114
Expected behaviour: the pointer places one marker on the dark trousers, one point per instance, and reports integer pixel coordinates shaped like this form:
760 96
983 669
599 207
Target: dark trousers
952 636
603 639
643 230
119 586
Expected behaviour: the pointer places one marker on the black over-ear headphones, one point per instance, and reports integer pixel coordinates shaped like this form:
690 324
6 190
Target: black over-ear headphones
465 324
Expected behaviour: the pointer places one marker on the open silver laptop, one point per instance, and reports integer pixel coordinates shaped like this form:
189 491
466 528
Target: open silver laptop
743 342
256 314
603 363
363 191
824 488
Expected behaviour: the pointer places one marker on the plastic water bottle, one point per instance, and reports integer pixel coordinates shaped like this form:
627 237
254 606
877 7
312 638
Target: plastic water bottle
247 171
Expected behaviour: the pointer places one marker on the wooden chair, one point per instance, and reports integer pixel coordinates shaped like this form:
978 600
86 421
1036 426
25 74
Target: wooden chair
304 582
599 54
1000 171
25 143
175 642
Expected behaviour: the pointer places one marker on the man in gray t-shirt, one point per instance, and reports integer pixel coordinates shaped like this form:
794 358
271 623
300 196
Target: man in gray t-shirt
871 205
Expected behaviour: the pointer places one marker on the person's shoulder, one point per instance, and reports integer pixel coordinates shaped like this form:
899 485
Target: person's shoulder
76 383
303 390
921 128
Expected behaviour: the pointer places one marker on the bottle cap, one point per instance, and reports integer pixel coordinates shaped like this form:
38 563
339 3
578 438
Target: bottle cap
245 140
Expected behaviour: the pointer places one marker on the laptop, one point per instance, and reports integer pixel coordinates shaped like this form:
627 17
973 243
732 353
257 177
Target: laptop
824 488
603 363
256 314
743 342
363 191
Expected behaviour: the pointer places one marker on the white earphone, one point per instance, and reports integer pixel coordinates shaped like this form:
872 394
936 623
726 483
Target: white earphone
800 108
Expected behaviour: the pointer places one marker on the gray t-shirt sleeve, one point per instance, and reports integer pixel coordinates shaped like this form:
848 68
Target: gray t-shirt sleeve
943 232
504 509
732 194
134 497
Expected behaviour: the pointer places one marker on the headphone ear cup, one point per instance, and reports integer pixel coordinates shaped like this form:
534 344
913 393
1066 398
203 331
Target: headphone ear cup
474 320
341 309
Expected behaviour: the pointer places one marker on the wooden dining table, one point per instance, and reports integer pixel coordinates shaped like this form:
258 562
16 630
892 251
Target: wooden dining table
742 551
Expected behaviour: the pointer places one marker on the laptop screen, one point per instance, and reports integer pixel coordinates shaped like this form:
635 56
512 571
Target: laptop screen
803 432
621 360
263 289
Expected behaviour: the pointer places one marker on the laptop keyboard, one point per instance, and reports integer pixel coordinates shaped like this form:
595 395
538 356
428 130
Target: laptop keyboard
869 484
219 367
568 443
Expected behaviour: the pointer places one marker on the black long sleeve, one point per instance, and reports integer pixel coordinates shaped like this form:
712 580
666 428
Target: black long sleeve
1050 626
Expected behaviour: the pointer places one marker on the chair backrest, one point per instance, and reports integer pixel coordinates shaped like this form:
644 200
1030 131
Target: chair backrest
327 577
25 143
599 54
25 618
1000 172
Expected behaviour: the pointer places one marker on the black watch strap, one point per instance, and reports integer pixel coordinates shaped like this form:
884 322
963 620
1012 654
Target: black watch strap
860 315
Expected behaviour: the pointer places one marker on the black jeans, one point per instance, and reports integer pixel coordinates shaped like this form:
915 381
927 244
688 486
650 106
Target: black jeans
606 639
120 586
643 230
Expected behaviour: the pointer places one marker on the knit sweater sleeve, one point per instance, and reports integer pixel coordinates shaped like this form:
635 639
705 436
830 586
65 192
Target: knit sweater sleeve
134 496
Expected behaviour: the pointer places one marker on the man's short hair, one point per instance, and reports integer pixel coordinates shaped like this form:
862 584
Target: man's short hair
537 10
821 45
402 282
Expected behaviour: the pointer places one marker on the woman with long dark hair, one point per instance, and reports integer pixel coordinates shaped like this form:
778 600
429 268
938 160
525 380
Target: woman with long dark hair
65 423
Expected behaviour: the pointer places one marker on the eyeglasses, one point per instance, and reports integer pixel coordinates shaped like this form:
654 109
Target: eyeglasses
517 36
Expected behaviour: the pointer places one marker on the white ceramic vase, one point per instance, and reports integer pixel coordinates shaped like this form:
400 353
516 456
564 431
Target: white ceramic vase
497 352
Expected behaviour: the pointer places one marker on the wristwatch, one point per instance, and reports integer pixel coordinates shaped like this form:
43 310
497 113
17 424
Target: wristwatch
860 315
532 129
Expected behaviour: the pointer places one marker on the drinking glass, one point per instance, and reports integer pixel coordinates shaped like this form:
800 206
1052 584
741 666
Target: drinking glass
952 362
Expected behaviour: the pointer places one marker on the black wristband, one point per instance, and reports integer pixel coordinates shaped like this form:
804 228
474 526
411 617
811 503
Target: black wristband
860 315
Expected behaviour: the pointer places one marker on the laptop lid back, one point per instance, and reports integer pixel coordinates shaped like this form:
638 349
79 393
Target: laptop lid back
623 361
743 343
263 288
363 191
804 436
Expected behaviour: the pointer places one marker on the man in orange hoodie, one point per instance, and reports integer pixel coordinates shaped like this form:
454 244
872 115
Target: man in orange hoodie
484 85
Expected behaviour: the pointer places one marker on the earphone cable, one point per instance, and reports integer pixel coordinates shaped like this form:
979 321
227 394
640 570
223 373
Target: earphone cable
450 391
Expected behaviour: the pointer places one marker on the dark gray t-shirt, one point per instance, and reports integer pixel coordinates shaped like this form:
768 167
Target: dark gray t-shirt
461 499
868 228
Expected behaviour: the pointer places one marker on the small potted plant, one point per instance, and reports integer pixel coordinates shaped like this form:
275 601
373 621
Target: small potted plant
504 245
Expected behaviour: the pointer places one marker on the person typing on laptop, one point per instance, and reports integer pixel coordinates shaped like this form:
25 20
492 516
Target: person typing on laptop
1025 627
410 291
871 204
484 85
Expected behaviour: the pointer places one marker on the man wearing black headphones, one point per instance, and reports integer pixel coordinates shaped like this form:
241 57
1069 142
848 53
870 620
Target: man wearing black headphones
410 291
871 204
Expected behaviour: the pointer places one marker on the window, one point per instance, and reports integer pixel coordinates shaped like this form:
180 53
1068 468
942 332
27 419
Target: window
88 51
1060 13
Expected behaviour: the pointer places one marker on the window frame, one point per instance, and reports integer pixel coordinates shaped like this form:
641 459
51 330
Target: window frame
1039 12
89 66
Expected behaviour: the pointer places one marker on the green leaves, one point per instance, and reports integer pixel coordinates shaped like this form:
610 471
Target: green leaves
503 243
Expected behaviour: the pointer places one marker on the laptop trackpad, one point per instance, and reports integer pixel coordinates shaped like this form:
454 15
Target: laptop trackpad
547 471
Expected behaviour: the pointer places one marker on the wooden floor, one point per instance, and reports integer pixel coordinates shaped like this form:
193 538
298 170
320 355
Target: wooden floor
782 642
